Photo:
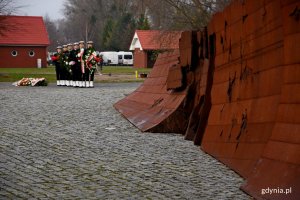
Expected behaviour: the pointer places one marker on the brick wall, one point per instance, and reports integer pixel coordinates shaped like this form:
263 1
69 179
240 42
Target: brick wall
140 58
22 60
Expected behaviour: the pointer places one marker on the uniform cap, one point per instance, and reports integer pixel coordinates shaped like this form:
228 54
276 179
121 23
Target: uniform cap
76 43
70 44
90 42
58 47
81 42
64 46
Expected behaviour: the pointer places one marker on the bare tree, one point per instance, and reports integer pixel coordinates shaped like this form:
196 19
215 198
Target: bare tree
104 21
190 14
7 7
84 19
52 33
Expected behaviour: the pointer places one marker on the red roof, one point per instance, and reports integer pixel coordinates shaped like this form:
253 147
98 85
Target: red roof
24 30
155 39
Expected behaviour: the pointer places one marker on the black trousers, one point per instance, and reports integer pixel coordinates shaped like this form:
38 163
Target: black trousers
89 74
63 73
78 74
69 74
58 71
74 74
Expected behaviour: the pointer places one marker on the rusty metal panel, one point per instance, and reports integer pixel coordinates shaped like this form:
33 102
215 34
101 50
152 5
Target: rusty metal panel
291 132
248 90
236 10
285 3
151 104
252 6
291 44
241 166
241 101
218 22
279 166
229 133
281 154
227 113
289 14
185 48
292 75
198 79
273 174
275 150
174 77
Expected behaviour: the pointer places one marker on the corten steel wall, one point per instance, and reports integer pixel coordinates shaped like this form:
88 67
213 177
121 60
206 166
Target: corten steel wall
151 107
247 82
241 92
197 60
22 60
253 125
140 58
174 89
280 161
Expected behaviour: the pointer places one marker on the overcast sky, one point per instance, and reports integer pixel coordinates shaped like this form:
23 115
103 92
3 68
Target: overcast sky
40 8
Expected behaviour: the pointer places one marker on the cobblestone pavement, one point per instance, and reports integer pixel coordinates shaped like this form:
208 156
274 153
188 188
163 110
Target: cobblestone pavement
70 143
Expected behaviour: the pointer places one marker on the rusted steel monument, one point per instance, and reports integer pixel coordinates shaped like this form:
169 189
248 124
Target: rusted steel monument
234 89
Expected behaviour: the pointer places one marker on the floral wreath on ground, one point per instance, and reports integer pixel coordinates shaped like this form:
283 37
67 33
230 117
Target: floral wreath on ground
31 82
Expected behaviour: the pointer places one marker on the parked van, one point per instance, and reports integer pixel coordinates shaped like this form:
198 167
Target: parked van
125 58
109 57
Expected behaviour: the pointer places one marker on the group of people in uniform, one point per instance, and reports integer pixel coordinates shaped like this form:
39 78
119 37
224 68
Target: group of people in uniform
75 65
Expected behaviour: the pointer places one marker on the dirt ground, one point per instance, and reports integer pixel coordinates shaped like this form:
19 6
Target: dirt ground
117 78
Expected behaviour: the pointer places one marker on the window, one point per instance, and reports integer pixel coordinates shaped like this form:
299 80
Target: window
31 53
14 53
120 56
127 57
134 41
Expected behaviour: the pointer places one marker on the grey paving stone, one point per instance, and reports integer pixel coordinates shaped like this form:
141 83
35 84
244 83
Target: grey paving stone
54 145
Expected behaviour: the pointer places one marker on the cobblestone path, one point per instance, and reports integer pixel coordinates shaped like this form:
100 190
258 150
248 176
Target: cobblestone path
70 143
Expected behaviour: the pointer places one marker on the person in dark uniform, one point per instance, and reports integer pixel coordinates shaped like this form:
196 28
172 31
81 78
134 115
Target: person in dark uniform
64 65
91 60
69 68
80 57
56 60
101 63
75 66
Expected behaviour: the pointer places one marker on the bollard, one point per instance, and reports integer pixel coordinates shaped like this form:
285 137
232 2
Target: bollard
39 63
136 74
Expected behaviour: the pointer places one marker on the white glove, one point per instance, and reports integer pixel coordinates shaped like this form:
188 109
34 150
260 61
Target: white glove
72 63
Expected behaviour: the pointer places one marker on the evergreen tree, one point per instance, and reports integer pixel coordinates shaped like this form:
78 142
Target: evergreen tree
143 23
107 33
117 34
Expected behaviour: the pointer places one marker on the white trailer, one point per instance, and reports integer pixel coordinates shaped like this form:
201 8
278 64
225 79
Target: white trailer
125 58
109 57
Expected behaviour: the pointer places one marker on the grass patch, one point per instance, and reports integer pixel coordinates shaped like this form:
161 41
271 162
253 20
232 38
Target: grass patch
48 70
17 77
133 80
15 74
123 70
